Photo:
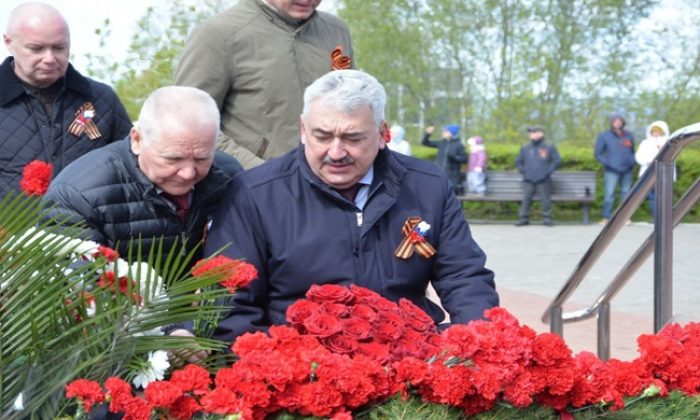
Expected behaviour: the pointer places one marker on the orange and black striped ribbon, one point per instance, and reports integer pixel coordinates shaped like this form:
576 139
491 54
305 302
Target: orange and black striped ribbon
83 122
340 61
413 241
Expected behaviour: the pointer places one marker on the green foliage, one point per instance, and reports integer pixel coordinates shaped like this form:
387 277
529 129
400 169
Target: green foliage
50 333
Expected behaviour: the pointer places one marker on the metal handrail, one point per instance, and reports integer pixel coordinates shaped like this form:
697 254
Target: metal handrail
660 175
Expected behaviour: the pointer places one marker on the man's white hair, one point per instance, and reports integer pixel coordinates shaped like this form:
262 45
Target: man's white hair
181 106
347 91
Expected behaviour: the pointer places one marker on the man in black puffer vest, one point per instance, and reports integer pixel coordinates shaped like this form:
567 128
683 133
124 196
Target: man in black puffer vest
162 183
49 111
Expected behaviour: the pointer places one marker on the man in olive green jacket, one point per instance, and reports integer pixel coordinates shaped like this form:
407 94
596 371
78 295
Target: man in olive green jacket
255 59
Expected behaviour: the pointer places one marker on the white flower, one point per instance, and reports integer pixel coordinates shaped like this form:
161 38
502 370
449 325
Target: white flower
155 371
19 403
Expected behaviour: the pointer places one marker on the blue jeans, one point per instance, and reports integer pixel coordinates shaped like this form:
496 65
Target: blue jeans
476 182
610 181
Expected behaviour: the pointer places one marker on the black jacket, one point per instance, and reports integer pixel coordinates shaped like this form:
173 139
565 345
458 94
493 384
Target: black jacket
537 161
118 202
27 134
450 157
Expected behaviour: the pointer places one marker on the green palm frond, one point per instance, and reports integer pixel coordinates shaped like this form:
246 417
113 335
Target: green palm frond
57 324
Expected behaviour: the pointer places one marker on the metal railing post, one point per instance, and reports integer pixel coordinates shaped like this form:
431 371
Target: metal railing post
557 322
604 331
663 245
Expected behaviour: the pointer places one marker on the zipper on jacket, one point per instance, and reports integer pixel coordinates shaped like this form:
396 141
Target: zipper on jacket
359 218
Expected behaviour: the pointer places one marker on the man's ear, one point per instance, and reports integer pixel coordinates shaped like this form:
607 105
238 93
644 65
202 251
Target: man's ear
302 129
136 141
8 43
385 134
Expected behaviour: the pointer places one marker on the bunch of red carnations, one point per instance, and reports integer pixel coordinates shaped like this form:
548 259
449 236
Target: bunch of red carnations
349 347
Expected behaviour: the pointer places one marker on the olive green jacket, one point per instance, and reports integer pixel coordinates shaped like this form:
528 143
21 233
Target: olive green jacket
256 64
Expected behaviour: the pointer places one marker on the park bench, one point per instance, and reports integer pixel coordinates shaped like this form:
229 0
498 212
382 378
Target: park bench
577 186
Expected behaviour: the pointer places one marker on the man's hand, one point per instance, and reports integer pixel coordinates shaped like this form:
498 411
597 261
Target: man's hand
430 129
180 357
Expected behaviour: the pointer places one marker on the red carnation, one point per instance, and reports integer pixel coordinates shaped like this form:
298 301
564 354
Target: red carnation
108 253
86 391
235 273
334 293
322 325
137 409
119 392
36 178
162 393
184 408
192 378
222 401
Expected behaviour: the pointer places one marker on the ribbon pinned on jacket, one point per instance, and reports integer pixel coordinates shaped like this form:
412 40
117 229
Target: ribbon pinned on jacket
83 122
414 231
340 61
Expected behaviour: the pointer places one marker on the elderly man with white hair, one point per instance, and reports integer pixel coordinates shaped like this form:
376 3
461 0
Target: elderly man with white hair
49 111
343 209
165 181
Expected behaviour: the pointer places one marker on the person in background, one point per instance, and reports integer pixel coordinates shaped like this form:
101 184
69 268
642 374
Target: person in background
49 111
450 156
353 213
476 169
657 136
614 149
537 161
164 182
398 141
255 59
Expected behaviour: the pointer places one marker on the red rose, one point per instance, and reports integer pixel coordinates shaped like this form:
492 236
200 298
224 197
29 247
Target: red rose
339 343
337 310
415 317
322 325
298 311
363 311
357 329
334 293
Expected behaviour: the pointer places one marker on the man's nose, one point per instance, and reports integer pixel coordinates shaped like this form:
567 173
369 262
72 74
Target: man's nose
188 172
336 150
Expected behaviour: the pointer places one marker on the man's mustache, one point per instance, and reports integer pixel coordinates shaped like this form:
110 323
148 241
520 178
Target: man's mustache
344 161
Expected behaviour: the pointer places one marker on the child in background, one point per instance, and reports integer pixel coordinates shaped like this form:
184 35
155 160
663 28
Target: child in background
657 136
476 169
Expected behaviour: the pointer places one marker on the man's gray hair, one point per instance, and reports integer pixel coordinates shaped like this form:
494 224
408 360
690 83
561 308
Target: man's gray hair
176 105
347 91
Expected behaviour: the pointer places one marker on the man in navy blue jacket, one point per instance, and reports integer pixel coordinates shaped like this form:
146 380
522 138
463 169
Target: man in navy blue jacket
344 209
614 149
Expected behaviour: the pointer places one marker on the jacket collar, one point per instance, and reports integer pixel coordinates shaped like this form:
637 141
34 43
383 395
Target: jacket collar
13 87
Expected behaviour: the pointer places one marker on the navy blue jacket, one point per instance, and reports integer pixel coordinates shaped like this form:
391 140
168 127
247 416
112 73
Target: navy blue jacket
450 157
298 231
107 191
27 134
616 153
537 161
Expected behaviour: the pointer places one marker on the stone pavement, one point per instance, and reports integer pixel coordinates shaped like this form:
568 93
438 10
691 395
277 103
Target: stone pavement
532 263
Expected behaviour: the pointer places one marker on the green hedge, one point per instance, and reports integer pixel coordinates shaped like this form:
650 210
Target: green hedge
574 158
